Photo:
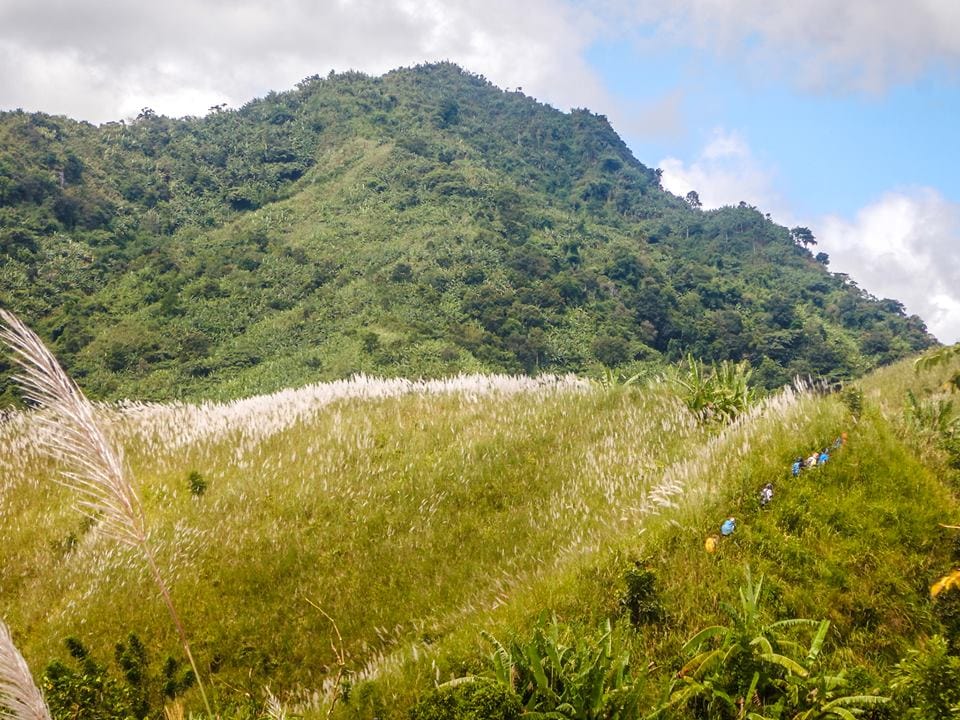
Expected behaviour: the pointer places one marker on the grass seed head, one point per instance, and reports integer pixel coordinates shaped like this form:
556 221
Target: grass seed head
20 698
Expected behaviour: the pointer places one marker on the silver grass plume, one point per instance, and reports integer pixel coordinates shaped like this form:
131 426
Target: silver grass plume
97 471
99 474
20 698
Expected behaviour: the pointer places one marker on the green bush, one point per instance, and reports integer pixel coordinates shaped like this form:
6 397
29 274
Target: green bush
563 672
951 445
468 699
90 691
752 662
198 486
641 599
714 392
947 610
927 683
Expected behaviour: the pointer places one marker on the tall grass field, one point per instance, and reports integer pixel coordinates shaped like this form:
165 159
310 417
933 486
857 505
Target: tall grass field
343 549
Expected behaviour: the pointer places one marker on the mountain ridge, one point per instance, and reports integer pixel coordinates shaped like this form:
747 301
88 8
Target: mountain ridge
421 223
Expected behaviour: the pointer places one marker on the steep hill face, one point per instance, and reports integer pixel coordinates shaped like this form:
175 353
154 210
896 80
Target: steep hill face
420 223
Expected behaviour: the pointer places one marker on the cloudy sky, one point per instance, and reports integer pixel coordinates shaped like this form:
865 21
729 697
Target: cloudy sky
840 116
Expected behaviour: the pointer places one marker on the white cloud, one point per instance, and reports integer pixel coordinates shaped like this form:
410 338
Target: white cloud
662 118
906 245
725 173
818 44
903 246
103 59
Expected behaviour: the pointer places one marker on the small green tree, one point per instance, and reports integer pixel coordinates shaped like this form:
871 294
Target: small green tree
802 236
86 689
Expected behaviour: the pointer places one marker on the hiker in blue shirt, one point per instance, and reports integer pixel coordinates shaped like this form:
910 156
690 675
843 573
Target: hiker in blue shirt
797 464
729 525
824 456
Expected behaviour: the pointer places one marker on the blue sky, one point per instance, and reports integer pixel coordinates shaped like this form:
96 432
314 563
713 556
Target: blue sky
829 152
837 116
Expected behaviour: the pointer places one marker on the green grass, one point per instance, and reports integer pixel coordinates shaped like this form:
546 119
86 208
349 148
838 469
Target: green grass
420 520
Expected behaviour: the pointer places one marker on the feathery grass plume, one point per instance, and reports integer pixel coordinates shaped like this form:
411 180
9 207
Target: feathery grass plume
274 709
173 710
99 474
20 698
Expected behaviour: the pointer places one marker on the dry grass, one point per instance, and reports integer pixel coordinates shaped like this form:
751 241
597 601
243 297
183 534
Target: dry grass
94 467
20 698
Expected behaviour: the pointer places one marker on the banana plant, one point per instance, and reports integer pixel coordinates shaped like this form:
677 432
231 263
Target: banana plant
751 670
563 675
941 356
610 378
714 392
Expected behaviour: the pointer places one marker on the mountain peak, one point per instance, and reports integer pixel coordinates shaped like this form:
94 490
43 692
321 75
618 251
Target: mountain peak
424 222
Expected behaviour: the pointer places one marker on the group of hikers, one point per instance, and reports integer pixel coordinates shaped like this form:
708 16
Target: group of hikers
800 464
816 458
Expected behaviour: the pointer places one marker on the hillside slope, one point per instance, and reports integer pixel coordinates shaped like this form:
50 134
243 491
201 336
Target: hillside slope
417 224
417 516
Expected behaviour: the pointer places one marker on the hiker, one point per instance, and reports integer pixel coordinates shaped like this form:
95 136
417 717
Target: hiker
797 464
766 494
837 443
824 456
812 460
729 525
711 544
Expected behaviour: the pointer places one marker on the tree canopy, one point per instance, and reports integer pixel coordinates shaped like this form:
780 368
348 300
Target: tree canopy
420 223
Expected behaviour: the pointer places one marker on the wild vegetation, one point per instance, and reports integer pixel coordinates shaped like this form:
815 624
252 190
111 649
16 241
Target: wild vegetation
468 544
511 546
419 224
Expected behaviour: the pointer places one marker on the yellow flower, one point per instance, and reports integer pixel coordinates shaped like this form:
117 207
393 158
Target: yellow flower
946 582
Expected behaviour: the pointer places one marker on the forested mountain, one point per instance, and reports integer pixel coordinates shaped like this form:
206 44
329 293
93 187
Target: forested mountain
420 223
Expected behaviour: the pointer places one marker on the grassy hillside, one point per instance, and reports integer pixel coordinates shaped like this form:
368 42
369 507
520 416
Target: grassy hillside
417 516
422 223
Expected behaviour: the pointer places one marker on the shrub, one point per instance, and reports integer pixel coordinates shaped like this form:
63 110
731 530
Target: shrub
641 599
951 445
752 662
198 486
714 392
927 682
468 699
89 691
853 398
560 672
947 611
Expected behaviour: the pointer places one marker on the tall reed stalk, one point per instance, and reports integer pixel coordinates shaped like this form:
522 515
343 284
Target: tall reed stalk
20 698
96 470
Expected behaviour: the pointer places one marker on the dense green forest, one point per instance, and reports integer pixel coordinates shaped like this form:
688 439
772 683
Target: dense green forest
422 223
